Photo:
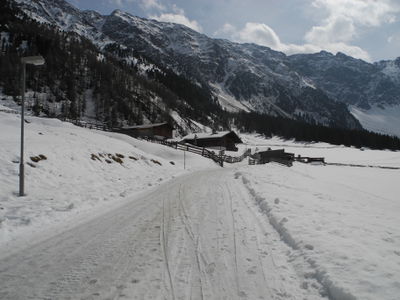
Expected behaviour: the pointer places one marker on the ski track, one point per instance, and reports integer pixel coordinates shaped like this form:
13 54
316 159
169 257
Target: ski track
199 237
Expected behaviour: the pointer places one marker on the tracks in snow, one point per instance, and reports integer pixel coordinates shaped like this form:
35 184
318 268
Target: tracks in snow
198 237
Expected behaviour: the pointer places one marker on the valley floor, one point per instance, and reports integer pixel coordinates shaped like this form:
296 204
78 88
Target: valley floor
146 228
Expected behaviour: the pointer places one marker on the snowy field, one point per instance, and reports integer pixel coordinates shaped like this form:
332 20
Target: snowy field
343 221
142 227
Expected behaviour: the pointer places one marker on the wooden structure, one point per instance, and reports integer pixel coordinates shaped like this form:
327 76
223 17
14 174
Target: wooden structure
279 156
157 130
218 157
225 140
305 159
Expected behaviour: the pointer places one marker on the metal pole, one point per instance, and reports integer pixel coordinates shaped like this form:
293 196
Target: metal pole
184 159
21 161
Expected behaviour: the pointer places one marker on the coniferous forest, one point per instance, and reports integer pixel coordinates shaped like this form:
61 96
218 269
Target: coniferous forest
77 74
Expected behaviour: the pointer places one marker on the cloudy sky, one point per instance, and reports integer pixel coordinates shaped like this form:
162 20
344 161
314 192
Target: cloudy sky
366 29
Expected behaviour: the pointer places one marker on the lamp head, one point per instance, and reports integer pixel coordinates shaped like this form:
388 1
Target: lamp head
33 60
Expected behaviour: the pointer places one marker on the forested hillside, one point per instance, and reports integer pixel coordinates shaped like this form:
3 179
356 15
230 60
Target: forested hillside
77 75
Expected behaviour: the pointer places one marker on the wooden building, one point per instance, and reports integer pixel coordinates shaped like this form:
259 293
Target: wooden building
157 130
225 140
279 156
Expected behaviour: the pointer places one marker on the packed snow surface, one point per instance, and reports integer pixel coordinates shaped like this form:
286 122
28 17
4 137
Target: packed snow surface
143 227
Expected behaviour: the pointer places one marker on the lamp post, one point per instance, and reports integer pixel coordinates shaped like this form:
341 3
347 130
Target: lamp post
28 60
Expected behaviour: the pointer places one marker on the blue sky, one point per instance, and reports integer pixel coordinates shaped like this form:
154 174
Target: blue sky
366 29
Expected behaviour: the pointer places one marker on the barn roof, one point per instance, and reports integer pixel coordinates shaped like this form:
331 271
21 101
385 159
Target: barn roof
210 135
146 126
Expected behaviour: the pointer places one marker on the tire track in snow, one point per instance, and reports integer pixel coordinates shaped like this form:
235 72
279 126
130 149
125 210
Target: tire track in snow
164 246
195 241
234 240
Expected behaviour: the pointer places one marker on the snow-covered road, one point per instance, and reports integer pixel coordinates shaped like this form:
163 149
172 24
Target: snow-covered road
200 236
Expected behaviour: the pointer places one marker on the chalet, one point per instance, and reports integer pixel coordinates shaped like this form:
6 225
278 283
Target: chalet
225 140
157 130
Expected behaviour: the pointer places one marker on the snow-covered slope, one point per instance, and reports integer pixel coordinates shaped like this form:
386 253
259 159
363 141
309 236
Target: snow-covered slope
84 171
383 119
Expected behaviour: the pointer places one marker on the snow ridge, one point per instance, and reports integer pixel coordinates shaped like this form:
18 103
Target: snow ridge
334 292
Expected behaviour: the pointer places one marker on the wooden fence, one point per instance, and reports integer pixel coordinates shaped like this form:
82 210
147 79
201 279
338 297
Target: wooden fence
305 159
219 158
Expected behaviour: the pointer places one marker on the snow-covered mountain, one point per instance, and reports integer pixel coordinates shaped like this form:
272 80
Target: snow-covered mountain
372 90
242 76
352 81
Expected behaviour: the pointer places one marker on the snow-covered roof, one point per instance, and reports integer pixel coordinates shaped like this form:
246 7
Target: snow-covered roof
207 135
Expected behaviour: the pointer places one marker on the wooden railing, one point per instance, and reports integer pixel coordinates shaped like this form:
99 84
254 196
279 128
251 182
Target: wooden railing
219 159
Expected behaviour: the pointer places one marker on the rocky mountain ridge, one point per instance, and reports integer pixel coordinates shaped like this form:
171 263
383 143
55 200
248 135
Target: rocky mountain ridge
242 76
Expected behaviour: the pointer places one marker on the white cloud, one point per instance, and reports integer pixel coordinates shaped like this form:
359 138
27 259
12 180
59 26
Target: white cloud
264 35
178 16
226 29
260 34
334 30
361 12
339 28
152 4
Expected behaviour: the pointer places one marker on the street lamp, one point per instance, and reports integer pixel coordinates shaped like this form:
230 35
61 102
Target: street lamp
28 60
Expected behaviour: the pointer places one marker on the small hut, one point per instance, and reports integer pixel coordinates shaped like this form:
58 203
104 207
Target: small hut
225 140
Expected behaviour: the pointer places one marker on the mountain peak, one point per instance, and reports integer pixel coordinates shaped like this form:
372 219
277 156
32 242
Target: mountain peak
117 12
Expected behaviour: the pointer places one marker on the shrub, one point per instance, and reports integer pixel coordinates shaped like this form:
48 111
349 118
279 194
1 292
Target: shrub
95 157
35 159
117 159
156 162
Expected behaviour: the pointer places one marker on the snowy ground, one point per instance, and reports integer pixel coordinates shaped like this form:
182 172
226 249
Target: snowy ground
343 221
147 229
70 184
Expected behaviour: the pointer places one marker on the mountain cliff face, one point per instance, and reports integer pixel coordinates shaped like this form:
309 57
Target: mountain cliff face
350 80
243 77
